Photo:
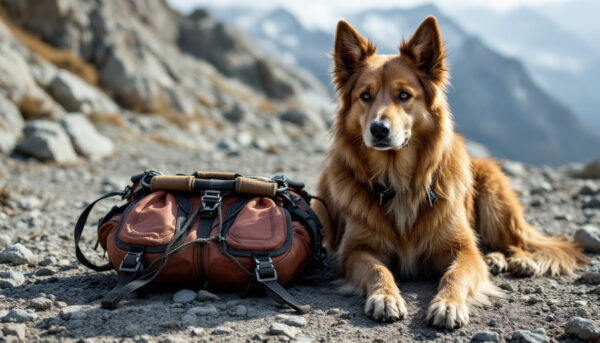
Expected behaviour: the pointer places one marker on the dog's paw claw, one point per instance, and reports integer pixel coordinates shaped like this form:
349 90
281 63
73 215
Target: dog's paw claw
386 307
520 266
447 314
496 262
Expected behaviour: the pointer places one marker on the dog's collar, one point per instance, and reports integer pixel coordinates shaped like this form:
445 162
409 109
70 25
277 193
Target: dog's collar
385 193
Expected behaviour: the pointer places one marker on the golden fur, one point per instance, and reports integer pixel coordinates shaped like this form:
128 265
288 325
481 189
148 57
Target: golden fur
405 236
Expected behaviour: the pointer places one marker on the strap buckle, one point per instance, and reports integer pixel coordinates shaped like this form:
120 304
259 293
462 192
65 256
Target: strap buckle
132 262
211 200
282 183
264 270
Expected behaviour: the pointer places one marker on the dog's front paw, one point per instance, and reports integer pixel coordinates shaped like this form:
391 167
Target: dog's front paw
447 314
496 262
386 307
522 266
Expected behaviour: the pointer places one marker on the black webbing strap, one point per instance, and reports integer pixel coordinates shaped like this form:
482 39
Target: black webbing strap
80 225
281 296
131 281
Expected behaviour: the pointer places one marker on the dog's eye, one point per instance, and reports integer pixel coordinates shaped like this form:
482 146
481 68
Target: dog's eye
365 96
403 96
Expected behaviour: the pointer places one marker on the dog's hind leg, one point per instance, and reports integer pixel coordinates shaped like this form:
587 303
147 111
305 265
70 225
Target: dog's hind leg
502 227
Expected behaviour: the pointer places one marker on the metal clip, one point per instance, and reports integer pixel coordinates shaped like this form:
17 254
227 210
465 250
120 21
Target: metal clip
265 269
132 262
211 200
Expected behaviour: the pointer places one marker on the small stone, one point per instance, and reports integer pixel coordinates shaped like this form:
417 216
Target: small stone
593 203
493 323
508 286
47 261
17 330
57 329
295 321
337 310
17 254
534 300
582 312
4 241
10 279
203 295
221 330
168 325
283 329
241 311
584 329
45 271
18 316
67 313
486 336
29 203
281 317
580 303
588 238
303 339
551 302
533 336
539 290
550 318
208 310
592 274
196 331
40 303
513 168
184 296
189 319
588 189
60 304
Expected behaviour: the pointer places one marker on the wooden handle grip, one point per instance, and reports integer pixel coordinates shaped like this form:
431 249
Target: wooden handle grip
174 183
255 187
215 175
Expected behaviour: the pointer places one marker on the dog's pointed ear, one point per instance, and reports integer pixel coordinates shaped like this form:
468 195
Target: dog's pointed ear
349 51
426 50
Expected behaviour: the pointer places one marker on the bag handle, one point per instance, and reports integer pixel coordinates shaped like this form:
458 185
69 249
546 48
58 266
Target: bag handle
216 175
188 183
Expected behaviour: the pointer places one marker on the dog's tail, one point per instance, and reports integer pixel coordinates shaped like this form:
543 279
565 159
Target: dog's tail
502 226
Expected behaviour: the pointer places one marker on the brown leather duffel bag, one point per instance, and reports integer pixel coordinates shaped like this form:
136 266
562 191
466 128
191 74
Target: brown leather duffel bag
208 230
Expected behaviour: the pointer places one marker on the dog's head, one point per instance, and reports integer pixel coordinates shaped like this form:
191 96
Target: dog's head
387 99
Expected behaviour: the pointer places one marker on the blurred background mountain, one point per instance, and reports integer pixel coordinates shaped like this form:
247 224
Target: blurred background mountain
78 75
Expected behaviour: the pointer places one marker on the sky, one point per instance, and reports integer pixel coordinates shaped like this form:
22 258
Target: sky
322 13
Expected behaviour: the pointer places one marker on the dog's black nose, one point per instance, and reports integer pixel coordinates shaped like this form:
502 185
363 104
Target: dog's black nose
380 129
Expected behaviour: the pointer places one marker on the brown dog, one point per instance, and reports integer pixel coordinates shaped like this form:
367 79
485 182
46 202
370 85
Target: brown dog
403 195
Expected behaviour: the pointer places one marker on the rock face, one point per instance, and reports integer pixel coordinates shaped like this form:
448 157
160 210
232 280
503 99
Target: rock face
16 79
86 140
47 141
137 48
11 124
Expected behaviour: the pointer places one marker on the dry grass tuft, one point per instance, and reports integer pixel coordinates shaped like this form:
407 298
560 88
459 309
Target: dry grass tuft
114 120
63 59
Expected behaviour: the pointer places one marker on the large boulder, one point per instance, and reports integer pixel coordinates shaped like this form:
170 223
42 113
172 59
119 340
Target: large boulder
86 140
47 141
11 125
75 95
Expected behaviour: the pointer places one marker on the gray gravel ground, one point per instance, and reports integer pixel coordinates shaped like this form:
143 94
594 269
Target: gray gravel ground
60 298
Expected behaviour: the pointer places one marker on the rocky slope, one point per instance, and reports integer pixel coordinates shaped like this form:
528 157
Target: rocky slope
48 297
143 67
